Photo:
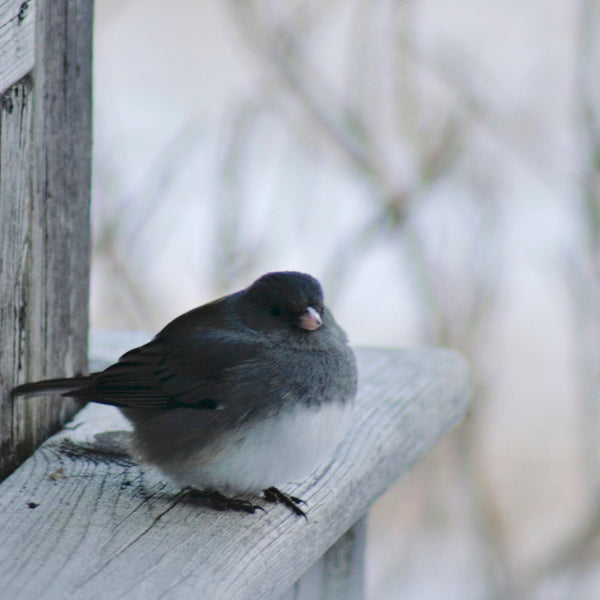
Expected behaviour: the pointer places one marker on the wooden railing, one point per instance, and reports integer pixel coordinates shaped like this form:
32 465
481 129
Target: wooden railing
80 519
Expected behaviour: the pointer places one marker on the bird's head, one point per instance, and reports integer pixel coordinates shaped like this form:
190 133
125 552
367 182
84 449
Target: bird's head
284 300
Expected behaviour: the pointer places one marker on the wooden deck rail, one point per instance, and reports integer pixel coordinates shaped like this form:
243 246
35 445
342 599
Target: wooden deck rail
79 519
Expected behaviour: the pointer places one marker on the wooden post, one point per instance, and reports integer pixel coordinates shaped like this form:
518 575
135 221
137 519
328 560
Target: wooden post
339 573
45 166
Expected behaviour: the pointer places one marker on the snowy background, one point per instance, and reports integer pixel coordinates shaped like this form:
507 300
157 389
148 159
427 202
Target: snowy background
436 166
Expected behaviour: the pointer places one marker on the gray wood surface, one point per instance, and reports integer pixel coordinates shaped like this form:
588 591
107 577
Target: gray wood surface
89 523
339 573
45 145
17 43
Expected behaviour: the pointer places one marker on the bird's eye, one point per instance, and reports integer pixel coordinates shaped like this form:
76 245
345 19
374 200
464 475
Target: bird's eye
275 311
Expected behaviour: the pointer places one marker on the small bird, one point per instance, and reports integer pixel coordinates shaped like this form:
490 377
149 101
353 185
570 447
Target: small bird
240 395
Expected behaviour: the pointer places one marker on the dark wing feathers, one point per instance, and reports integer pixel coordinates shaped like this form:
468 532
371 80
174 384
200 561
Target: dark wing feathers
196 376
185 372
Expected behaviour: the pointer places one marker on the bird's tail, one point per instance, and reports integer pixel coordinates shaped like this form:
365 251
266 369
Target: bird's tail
66 384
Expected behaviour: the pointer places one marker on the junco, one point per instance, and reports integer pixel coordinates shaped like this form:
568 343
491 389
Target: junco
240 395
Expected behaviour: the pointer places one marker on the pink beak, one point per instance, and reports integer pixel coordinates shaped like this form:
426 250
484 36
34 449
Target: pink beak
310 319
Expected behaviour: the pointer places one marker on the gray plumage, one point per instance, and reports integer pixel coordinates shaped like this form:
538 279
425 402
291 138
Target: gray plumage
247 392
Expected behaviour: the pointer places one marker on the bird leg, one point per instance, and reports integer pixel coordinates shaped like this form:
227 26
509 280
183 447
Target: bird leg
276 496
218 501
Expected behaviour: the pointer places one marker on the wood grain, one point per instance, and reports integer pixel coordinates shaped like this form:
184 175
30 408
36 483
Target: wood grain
17 42
85 523
339 573
45 145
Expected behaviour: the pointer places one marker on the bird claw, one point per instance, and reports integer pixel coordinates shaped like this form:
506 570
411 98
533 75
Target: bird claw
218 501
276 496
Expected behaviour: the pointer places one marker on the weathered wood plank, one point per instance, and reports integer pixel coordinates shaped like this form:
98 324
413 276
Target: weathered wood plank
339 573
45 137
15 203
17 42
75 524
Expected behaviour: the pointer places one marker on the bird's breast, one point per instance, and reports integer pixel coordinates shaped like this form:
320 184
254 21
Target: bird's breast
281 448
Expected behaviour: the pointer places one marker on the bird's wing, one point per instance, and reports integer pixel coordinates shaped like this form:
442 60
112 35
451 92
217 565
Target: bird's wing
161 375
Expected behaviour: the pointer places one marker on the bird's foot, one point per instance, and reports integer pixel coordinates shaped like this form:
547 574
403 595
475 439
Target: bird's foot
218 501
276 496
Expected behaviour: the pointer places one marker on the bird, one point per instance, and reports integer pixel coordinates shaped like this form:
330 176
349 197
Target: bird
235 397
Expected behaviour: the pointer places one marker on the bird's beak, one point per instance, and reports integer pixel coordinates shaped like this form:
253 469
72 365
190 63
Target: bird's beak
310 319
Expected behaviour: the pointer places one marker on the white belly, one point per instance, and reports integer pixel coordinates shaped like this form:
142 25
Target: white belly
275 451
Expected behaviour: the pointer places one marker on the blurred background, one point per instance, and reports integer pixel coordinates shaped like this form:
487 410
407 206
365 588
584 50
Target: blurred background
437 166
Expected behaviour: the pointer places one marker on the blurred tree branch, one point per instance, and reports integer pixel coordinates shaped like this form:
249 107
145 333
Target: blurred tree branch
582 272
357 134
118 229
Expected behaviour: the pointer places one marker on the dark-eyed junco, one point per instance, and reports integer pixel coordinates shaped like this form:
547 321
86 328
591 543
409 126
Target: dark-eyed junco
239 395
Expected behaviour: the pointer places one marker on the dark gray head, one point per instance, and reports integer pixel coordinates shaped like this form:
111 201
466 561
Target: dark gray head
286 299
